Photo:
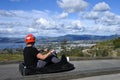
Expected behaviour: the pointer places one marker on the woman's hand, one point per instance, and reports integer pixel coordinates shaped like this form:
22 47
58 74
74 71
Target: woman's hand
44 56
52 51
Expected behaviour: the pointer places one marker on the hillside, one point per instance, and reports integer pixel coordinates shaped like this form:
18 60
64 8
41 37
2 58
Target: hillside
108 48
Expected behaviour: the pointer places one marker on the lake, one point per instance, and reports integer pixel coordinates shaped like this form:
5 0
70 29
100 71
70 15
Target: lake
22 45
12 45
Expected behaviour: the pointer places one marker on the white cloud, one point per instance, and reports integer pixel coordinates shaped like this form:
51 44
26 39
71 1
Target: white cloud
72 5
92 15
109 19
101 6
63 15
6 13
76 25
43 22
31 30
102 16
5 30
106 22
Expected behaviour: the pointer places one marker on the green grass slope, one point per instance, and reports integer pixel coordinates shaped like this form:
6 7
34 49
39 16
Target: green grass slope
109 48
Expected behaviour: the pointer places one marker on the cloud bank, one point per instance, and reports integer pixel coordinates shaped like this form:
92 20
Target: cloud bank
97 21
72 5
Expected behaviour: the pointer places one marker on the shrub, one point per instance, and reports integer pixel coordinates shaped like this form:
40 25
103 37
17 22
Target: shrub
116 43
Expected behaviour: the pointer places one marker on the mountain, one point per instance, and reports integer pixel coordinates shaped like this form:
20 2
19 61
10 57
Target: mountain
59 39
88 37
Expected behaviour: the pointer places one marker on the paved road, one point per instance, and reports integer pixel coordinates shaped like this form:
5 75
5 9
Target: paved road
82 69
102 77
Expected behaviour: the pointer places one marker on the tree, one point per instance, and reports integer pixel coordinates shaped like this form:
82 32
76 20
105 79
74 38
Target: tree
64 47
116 43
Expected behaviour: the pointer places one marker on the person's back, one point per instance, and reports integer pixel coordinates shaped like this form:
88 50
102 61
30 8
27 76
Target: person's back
30 58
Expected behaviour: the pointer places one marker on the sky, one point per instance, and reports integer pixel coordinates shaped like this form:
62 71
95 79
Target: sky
59 17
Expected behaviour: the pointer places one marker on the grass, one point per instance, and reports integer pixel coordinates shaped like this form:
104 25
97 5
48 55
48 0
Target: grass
7 57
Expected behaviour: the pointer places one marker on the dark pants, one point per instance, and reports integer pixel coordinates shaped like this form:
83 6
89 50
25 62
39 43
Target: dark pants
49 60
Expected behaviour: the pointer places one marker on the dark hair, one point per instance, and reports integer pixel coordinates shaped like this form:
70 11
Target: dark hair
31 43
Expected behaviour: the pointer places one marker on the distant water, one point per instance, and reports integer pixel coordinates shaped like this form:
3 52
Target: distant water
22 45
12 45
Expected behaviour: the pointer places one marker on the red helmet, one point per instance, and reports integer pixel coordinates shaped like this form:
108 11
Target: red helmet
30 38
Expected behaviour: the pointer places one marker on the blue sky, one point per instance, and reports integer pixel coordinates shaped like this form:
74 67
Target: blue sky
59 17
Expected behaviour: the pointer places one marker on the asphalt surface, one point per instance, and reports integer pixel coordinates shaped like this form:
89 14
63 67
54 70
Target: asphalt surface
102 77
82 69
